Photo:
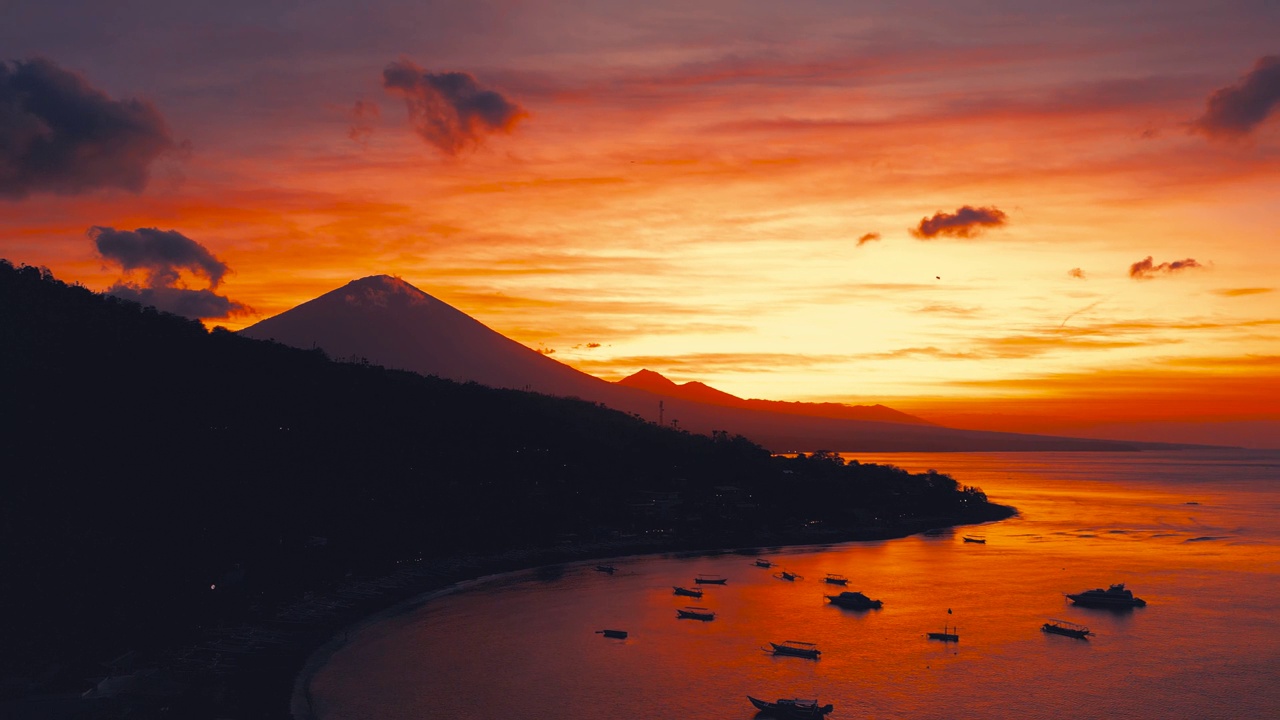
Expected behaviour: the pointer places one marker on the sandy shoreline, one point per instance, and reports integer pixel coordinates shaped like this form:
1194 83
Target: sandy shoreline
300 702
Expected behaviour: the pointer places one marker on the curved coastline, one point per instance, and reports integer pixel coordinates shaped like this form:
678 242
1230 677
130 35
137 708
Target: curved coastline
509 564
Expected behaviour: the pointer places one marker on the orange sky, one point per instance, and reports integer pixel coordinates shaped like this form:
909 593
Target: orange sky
685 189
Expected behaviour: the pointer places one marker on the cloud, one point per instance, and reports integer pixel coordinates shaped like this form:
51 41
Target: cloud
1238 292
363 116
1236 110
450 110
160 253
161 256
966 222
1146 269
869 237
1076 273
60 135
196 304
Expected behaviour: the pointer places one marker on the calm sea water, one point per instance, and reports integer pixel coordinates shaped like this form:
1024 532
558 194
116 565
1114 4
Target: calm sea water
1196 534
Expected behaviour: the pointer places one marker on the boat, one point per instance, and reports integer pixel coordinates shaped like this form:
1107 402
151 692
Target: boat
694 593
711 580
853 601
620 634
795 648
761 562
1115 596
1070 629
835 579
980 541
947 635
695 613
792 709
788 575
606 569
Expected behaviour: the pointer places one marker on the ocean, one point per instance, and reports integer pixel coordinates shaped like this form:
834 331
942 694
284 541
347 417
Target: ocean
1194 533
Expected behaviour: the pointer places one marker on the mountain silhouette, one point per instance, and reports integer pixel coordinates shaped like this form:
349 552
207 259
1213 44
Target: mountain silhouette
386 321
701 392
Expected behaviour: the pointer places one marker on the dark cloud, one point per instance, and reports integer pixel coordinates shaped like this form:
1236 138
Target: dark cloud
1076 273
1146 269
363 117
869 237
196 304
450 110
60 135
160 253
161 256
966 222
1237 109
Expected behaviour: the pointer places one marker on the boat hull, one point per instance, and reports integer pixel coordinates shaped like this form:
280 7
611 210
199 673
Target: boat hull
791 709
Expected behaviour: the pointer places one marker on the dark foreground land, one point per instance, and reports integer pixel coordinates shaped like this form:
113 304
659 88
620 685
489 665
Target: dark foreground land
186 515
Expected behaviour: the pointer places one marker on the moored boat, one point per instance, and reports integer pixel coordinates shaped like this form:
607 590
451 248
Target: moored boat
793 708
795 648
761 562
836 579
1070 629
711 580
620 634
1115 596
695 613
948 634
694 593
980 541
853 600
606 569
788 575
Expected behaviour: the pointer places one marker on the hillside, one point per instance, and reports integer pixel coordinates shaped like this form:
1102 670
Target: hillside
703 393
161 480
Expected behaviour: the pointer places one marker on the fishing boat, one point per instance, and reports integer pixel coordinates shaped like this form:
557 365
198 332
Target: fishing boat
788 575
711 580
1115 596
760 562
980 541
948 634
792 709
695 613
620 634
795 648
854 601
836 579
694 593
606 569
1070 629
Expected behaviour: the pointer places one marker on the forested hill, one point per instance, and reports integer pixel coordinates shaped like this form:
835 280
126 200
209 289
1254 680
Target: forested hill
147 460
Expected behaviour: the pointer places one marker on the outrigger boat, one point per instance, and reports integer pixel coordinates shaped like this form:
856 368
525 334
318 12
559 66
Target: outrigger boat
711 580
793 709
760 562
695 613
606 569
620 634
788 575
1070 629
795 648
854 601
947 635
694 593
835 579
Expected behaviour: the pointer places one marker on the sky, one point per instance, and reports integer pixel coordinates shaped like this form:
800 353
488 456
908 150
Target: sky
1024 216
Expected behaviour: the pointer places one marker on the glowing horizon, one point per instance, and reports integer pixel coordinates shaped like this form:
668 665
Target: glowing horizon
1066 215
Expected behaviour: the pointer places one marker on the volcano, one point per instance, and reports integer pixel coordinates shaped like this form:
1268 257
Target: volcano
386 321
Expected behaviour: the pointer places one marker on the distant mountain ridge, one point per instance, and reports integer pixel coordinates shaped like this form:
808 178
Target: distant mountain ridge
388 322
700 392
